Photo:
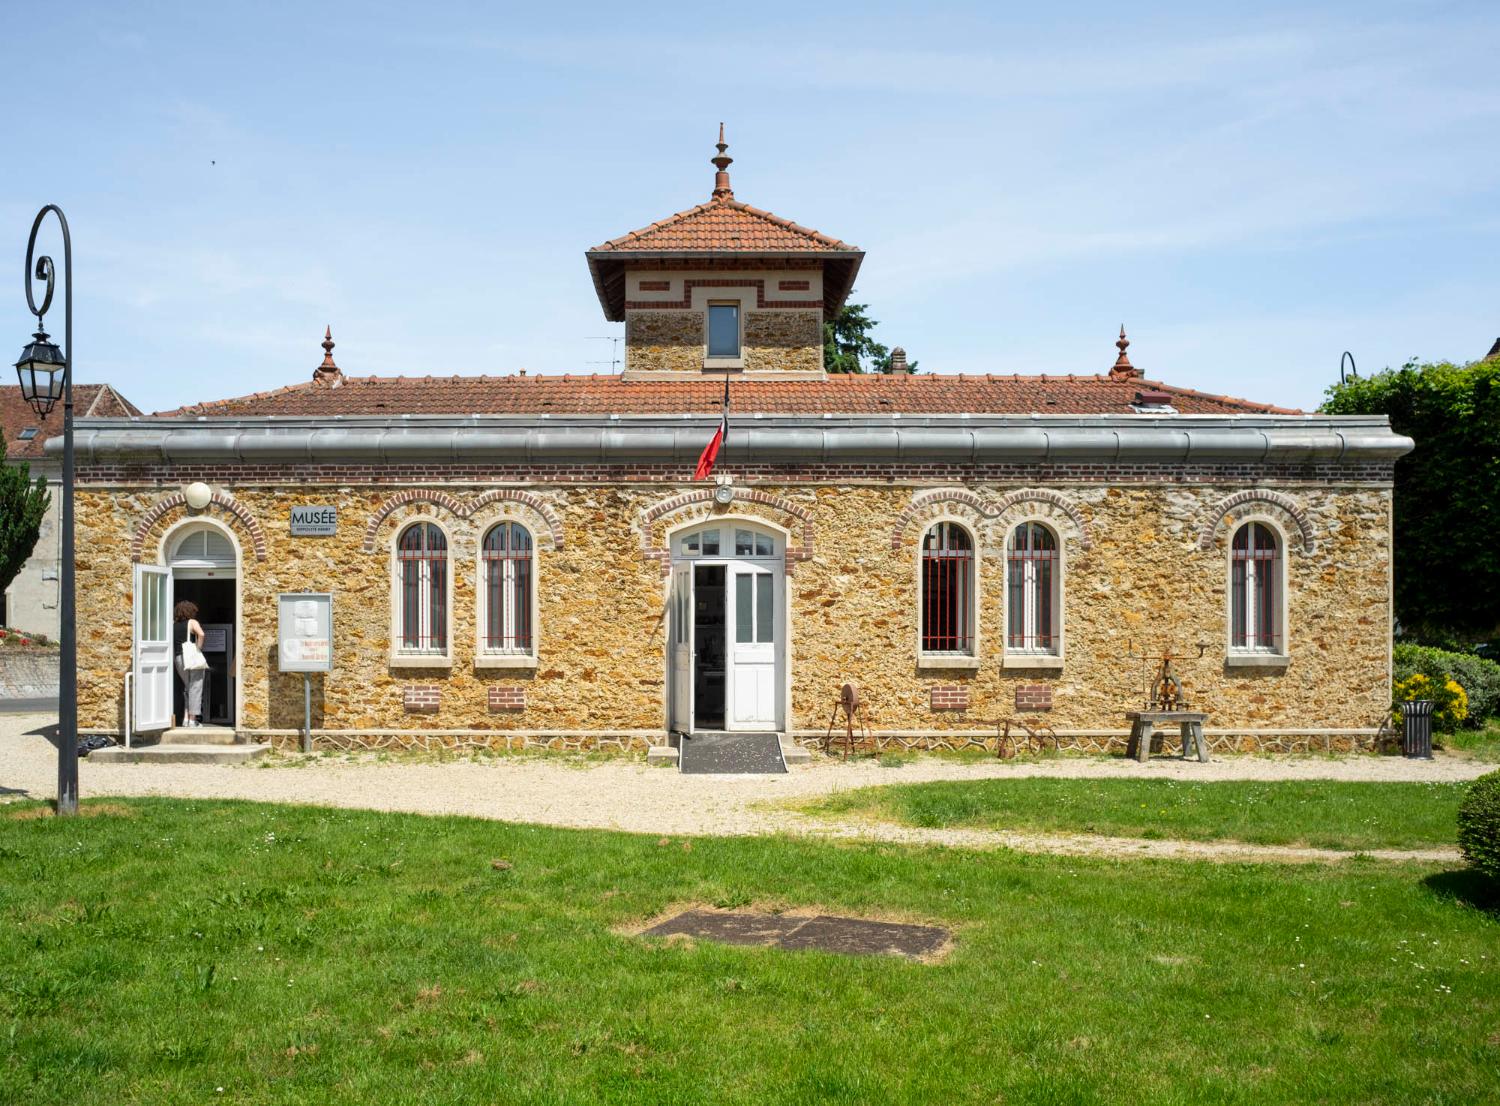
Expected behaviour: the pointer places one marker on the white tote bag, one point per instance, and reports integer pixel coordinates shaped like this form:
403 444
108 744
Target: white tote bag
193 659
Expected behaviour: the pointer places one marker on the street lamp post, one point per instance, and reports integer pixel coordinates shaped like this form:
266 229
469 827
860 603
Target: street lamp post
46 375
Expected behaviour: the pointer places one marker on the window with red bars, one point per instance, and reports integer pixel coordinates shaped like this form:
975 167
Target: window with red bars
947 590
506 559
1031 584
1255 589
422 559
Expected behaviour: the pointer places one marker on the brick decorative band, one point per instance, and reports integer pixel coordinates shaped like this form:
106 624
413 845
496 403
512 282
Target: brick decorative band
226 503
797 520
1256 495
688 285
985 509
504 697
785 285
464 508
656 286
421 698
1033 697
949 697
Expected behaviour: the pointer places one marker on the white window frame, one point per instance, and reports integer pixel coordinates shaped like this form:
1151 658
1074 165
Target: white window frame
1035 658
1257 656
738 360
401 657
484 656
954 658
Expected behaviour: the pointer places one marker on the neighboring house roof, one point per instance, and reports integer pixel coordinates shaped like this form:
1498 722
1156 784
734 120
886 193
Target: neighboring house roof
927 393
722 226
16 416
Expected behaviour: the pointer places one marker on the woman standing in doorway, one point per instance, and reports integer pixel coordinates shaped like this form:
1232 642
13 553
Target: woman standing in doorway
191 669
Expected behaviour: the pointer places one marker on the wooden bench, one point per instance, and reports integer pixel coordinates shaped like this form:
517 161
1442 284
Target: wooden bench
1143 725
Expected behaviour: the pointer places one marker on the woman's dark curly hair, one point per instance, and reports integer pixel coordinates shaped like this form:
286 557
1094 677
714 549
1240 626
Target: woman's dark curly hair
185 610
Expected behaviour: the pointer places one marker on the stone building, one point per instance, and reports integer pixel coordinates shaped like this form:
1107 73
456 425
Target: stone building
528 559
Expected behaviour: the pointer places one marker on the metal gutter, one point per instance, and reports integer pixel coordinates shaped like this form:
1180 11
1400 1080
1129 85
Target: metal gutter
768 439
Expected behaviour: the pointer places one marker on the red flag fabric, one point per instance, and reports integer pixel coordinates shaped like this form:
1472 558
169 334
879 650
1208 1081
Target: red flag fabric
710 454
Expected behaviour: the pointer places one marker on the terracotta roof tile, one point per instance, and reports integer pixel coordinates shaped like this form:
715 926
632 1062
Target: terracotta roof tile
16 415
725 226
927 393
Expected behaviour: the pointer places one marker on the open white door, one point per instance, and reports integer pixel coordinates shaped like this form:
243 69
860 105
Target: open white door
681 646
153 648
753 643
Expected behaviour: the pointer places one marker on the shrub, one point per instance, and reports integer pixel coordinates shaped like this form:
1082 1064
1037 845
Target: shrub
1479 824
1451 705
1480 678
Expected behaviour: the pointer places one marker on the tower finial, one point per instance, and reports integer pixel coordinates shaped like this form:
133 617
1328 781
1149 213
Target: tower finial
722 191
1122 368
327 371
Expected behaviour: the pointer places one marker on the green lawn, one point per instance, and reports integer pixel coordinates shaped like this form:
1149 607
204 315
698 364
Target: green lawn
298 955
1319 813
1481 744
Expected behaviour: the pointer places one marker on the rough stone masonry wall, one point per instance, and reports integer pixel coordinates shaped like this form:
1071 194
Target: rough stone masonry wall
774 341
1144 582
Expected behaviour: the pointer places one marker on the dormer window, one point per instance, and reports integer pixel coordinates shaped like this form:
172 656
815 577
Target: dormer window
723 330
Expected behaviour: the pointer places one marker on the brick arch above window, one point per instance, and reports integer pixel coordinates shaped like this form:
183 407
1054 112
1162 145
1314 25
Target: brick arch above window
223 507
698 504
550 521
1293 514
986 509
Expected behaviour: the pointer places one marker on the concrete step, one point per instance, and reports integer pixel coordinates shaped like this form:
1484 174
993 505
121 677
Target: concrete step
793 753
180 754
197 735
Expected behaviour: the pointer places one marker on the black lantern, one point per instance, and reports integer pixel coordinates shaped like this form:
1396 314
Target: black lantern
41 370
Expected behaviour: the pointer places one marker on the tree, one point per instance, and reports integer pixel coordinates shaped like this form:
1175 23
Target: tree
22 505
848 347
1447 495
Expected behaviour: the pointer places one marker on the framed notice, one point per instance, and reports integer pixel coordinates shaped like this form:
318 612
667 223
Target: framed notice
305 631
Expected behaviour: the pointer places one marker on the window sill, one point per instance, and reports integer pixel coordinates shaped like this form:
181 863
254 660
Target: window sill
1257 660
504 660
720 364
943 660
1032 660
421 660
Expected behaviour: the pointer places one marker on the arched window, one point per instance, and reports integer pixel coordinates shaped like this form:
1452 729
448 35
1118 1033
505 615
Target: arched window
422 581
506 586
1255 590
1032 586
947 590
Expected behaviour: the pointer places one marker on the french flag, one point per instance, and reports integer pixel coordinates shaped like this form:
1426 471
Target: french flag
710 452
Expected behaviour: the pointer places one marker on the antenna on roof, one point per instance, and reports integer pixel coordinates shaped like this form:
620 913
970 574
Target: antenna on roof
614 350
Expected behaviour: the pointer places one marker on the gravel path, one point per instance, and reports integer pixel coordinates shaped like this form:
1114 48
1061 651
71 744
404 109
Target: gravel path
628 795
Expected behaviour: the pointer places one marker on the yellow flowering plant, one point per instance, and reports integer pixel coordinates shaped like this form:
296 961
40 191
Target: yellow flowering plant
1451 701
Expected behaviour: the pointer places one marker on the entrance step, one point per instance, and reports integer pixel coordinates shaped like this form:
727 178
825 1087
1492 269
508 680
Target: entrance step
661 754
180 754
197 735
793 753
731 753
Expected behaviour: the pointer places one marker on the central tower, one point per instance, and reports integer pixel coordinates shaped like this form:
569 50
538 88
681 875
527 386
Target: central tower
723 287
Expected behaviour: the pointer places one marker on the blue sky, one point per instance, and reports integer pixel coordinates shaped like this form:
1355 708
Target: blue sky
1250 193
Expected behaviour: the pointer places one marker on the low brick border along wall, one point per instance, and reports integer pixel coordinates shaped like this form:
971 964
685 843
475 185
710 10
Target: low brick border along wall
28 674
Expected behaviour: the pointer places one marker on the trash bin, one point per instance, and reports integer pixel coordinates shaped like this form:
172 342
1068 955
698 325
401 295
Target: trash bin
1416 728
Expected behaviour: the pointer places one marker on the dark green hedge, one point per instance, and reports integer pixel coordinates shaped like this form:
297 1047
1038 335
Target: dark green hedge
1479 824
1479 678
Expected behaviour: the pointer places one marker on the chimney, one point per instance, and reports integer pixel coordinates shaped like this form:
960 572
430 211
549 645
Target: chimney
1122 369
328 373
898 362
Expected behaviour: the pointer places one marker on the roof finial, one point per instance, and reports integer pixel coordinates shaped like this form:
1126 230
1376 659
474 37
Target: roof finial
1122 368
327 372
722 191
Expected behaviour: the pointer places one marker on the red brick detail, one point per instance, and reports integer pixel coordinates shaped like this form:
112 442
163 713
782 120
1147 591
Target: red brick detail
949 697
421 698
718 282
226 503
797 521
503 697
793 286
656 286
1256 495
464 509
1033 697
984 509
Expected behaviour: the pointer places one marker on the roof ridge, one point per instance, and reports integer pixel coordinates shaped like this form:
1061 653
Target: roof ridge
1263 408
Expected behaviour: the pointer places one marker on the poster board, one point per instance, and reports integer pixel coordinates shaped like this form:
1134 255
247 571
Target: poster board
305 631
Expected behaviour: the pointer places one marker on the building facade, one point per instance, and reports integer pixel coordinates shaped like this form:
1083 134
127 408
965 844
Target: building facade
528 559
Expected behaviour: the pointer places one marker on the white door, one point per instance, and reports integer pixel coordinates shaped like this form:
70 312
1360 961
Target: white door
681 647
153 648
754 605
